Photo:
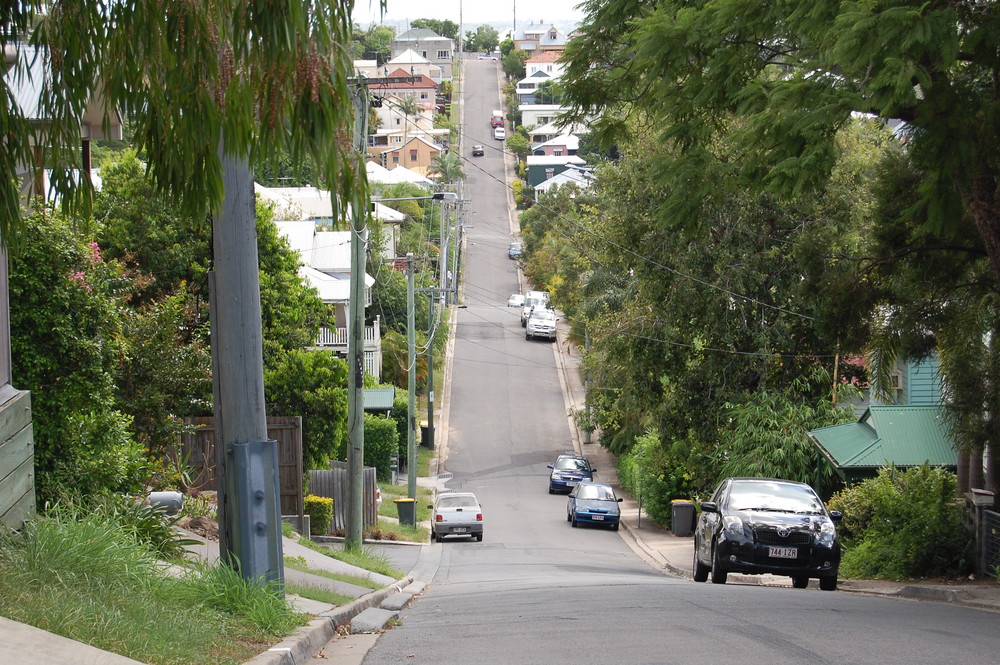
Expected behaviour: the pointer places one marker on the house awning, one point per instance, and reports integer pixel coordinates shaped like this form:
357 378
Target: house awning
902 436
379 399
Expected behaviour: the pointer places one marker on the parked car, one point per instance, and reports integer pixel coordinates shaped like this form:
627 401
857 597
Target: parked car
499 133
477 150
541 323
514 250
764 525
487 56
456 514
515 300
531 300
593 503
568 471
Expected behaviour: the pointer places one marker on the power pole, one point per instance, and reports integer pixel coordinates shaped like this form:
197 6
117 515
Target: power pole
411 385
247 462
355 386
430 371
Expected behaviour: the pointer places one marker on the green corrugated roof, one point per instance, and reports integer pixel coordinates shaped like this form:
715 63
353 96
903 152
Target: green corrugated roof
379 399
898 435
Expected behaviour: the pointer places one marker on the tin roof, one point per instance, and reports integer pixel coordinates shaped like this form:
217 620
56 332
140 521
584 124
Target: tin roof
899 435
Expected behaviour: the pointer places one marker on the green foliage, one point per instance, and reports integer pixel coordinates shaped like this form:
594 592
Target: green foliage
66 344
513 64
903 524
381 443
320 512
656 475
518 188
312 384
447 167
374 43
518 144
444 27
485 39
767 433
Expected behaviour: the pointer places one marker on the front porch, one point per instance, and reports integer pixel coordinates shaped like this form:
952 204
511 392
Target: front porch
335 340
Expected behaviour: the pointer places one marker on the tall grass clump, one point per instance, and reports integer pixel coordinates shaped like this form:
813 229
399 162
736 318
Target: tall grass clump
96 575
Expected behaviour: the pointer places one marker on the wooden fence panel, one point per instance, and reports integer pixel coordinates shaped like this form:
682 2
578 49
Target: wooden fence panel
332 484
198 453
17 461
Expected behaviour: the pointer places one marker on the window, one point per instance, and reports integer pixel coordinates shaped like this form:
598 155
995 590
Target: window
548 68
423 54
413 155
423 95
557 152
549 173
442 55
395 158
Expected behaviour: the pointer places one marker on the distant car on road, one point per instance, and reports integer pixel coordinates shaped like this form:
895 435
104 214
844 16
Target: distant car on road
477 150
456 514
514 250
541 323
765 525
593 503
499 133
568 471
487 56
515 300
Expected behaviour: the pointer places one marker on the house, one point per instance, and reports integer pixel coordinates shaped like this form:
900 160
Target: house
438 50
546 62
416 64
538 37
581 178
540 114
564 144
527 87
326 266
401 84
417 154
542 168
908 431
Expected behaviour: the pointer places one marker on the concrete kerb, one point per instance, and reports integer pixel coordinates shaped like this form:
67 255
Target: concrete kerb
311 638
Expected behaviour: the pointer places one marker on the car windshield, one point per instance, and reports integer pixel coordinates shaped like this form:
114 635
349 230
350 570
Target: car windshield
595 493
457 502
572 464
771 496
544 315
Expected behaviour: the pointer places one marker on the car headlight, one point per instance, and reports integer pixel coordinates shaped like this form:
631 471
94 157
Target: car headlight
826 534
733 525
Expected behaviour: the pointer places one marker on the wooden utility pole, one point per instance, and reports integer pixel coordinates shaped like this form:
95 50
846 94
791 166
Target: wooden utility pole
411 385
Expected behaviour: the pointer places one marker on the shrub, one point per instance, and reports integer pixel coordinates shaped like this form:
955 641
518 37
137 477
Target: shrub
903 524
320 512
381 443
653 474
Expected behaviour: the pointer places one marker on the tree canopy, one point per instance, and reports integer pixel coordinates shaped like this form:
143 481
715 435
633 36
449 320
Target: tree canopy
790 75
444 27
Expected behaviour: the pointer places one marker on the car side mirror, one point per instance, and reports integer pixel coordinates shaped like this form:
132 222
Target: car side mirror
550 466
594 470
709 507
620 499
836 515
431 506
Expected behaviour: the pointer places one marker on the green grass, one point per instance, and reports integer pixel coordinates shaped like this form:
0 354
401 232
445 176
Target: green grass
318 594
86 577
299 564
389 492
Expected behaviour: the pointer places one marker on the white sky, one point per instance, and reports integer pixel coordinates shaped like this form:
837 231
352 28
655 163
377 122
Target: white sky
474 12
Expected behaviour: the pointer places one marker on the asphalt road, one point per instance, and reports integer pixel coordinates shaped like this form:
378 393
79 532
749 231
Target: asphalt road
538 591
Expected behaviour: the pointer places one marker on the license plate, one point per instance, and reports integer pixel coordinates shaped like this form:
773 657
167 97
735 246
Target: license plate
599 518
783 552
572 483
458 529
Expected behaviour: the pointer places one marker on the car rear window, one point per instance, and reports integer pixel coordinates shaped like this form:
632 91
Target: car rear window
595 492
457 502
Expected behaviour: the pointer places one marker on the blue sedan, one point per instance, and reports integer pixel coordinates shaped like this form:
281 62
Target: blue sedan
568 471
593 503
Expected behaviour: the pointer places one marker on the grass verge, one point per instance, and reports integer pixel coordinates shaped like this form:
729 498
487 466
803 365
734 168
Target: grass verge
85 576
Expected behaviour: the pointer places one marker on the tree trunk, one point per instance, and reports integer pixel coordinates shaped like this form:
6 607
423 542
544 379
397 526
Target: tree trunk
976 477
963 472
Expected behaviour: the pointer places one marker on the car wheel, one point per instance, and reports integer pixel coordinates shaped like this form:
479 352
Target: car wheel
800 582
614 527
568 518
527 336
719 574
699 571
479 537
828 583
574 522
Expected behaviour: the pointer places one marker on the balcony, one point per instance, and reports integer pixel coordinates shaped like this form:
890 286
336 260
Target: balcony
335 339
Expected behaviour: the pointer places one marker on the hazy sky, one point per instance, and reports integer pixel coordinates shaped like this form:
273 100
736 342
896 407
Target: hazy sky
474 12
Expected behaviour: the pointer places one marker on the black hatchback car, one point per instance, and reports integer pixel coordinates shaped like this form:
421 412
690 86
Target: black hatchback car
764 525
